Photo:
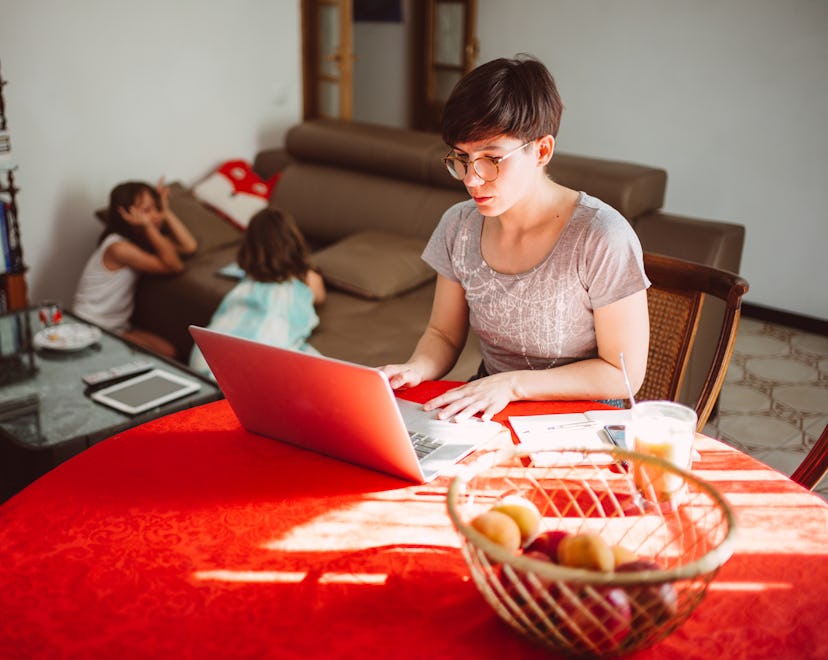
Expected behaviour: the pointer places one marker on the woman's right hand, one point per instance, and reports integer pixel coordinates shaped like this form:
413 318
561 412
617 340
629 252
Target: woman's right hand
402 375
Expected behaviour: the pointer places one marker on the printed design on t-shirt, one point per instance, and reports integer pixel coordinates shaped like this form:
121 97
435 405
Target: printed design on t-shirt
537 315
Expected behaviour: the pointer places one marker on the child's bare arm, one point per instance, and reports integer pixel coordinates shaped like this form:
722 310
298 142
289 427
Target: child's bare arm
164 260
183 239
317 286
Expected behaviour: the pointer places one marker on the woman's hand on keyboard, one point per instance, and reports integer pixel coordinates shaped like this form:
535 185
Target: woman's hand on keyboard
487 396
402 375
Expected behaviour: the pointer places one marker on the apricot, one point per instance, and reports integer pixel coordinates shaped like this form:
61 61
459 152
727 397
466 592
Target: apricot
623 555
499 528
586 550
524 513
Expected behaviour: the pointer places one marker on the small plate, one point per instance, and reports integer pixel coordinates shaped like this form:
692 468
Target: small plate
67 337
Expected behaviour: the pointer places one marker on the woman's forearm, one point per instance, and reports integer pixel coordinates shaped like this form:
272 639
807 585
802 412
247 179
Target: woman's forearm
593 378
435 354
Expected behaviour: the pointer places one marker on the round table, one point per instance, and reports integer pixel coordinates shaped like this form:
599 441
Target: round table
190 537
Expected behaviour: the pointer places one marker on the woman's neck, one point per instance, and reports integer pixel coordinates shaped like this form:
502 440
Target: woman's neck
548 205
518 240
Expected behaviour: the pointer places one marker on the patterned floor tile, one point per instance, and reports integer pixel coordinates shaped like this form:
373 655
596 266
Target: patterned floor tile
774 402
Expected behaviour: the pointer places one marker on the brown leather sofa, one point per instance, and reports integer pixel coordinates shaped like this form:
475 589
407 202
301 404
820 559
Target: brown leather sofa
367 198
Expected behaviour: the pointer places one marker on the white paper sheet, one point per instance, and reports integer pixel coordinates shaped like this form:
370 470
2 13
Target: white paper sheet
564 431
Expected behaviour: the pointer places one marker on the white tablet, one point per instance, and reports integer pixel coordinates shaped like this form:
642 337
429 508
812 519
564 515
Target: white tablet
146 391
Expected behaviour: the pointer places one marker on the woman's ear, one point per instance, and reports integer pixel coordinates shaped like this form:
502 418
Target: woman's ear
545 149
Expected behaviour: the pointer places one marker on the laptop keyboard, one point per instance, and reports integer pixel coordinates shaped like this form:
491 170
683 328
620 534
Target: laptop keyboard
423 444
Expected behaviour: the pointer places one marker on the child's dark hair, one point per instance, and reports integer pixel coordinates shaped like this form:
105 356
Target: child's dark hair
123 196
274 249
516 97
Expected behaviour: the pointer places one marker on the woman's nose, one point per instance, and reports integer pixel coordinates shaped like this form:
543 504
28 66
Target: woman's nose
472 178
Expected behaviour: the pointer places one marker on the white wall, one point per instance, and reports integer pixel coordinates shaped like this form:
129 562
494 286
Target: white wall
101 90
729 96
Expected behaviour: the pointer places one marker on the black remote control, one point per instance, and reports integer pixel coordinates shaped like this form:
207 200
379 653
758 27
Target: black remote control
119 372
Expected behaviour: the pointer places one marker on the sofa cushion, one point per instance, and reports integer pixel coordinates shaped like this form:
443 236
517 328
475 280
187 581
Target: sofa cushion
236 191
374 265
378 332
332 203
209 228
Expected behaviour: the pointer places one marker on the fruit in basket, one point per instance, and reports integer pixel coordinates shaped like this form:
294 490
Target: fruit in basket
547 543
658 601
598 619
524 512
586 550
498 528
512 590
623 555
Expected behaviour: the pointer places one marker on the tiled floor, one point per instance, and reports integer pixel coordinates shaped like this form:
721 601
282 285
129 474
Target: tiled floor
774 403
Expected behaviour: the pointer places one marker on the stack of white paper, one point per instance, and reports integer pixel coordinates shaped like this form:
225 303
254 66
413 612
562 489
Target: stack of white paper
565 431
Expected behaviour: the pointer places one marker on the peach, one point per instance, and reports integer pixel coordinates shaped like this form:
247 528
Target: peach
524 512
586 550
499 528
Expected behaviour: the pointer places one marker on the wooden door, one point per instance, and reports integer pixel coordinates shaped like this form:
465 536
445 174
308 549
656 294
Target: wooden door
445 49
328 58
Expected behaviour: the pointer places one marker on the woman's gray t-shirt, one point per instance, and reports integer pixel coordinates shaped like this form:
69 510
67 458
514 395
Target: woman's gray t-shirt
544 317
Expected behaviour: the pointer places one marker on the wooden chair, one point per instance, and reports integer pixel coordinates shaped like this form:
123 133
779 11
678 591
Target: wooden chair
675 300
815 466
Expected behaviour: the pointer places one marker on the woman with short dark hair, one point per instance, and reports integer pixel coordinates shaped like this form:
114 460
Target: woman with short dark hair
551 279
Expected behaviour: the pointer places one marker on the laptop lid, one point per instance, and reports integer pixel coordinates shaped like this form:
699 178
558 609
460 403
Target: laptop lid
330 406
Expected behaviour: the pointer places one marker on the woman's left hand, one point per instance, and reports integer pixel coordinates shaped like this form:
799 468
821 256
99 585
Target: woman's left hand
487 396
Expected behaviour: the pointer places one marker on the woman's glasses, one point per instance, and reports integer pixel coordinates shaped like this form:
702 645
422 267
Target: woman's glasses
486 167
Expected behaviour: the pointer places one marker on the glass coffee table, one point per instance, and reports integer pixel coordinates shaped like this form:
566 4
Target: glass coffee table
46 413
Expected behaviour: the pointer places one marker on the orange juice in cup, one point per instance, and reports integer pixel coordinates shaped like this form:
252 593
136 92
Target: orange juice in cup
663 429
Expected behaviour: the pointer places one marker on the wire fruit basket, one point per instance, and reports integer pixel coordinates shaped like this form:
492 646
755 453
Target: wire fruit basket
674 543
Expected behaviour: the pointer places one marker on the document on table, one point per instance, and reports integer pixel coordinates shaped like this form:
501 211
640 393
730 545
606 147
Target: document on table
564 431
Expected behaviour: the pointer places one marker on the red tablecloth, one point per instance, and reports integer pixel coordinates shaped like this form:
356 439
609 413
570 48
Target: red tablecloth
189 537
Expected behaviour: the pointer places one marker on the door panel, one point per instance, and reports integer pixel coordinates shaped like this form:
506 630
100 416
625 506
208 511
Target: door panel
448 50
443 49
328 58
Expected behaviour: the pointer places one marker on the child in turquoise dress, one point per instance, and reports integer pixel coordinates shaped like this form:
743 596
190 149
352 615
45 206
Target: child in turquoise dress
274 302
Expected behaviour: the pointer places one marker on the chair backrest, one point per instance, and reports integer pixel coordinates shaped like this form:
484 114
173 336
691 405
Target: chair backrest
815 466
675 302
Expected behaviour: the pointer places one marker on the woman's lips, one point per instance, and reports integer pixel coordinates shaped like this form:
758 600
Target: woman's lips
481 200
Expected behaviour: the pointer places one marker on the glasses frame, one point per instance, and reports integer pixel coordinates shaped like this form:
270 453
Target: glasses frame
449 160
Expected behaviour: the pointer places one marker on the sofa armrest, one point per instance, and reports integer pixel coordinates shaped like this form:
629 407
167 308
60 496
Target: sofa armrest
709 242
633 190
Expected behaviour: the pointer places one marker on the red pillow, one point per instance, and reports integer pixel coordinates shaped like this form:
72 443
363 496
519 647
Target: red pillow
236 191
